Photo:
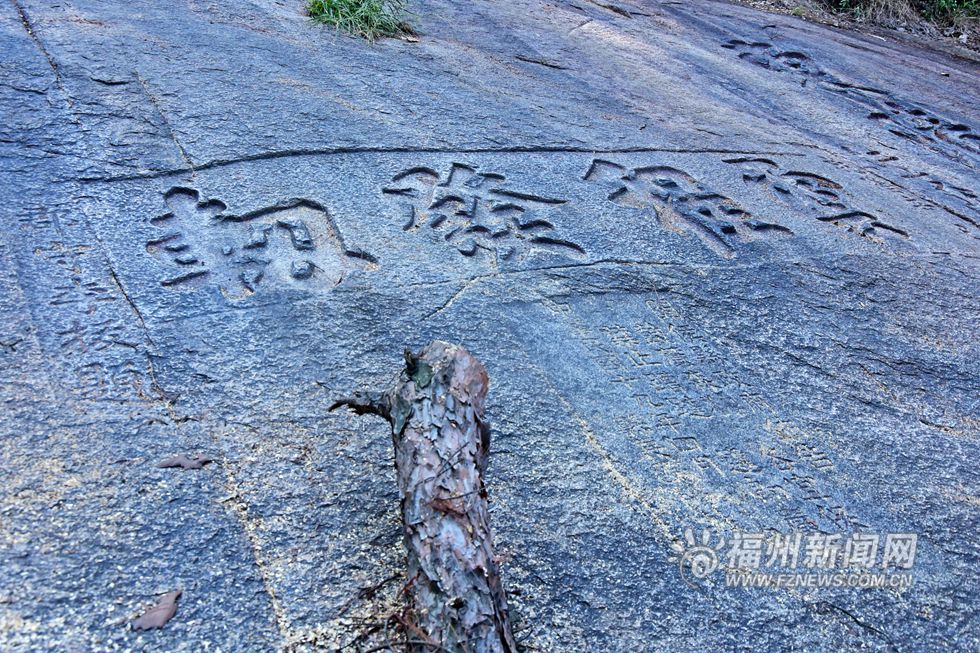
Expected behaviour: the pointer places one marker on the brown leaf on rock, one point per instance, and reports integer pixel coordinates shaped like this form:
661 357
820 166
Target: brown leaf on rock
158 615
185 462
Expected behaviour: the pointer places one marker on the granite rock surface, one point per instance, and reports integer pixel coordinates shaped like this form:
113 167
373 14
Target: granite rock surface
721 267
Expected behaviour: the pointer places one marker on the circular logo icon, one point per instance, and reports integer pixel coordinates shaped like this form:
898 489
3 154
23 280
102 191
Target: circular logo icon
697 557
697 563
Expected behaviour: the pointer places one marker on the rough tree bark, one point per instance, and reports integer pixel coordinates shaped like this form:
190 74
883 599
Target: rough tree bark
441 445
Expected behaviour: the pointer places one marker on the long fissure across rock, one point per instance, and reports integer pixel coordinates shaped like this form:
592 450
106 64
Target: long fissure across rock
456 599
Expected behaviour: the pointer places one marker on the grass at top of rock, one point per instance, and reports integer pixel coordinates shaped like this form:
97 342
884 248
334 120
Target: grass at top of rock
940 11
367 18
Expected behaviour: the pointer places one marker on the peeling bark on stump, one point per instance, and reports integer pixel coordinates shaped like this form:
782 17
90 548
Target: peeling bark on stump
441 445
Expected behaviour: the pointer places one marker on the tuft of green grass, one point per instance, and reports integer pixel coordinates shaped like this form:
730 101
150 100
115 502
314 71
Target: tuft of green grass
367 18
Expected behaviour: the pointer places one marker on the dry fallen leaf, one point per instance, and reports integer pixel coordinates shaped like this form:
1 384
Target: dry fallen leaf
185 462
158 615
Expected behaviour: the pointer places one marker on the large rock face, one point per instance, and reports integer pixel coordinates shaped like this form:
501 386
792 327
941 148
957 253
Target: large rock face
720 265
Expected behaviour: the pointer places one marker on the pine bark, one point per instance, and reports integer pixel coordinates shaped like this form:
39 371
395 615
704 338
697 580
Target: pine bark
435 408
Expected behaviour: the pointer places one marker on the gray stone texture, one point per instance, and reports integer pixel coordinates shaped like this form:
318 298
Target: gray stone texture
720 265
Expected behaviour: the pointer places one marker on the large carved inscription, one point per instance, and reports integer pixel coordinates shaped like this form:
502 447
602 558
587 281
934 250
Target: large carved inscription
817 197
478 214
682 204
294 243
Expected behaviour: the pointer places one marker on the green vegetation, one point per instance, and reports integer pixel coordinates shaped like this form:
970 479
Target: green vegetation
368 18
946 10
939 11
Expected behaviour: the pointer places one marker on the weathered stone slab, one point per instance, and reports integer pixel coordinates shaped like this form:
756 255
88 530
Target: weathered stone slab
711 289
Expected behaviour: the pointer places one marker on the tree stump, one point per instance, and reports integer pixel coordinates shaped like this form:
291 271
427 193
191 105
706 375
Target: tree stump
455 596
